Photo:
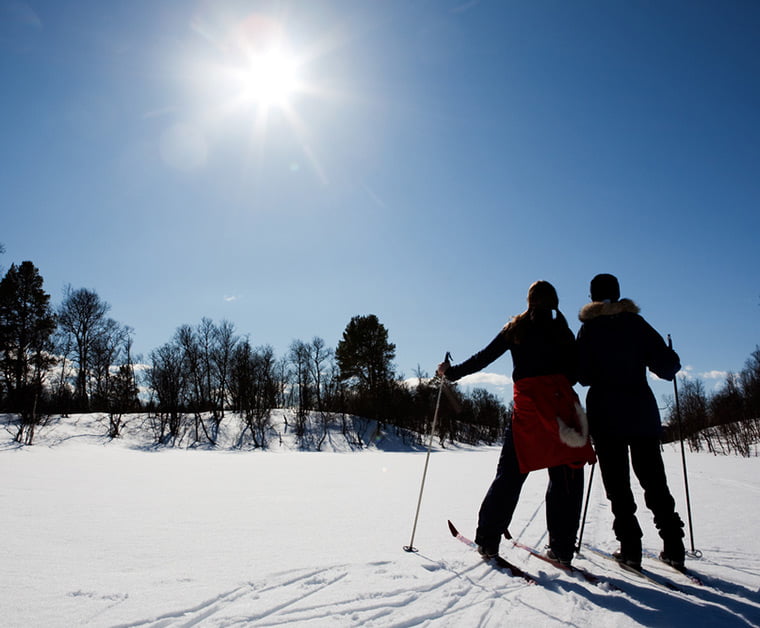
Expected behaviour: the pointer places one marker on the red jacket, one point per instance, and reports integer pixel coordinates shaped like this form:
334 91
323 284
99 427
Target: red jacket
549 425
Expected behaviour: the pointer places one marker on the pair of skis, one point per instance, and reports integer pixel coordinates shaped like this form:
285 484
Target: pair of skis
642 573
685 571
496 561
650 576
590 577
574 569
502 563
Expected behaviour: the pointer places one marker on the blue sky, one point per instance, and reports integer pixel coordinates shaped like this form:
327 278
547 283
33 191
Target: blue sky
432 159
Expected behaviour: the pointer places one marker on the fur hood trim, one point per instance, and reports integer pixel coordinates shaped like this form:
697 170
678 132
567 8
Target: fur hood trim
603 308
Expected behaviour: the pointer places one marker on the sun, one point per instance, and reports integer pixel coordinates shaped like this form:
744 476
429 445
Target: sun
269 78
251 79
258 69
257 80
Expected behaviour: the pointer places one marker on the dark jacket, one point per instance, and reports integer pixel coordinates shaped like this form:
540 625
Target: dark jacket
546 347
548 425
615 348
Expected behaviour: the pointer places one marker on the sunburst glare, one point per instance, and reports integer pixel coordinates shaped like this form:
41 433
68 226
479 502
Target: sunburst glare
270 78
253 78
254 68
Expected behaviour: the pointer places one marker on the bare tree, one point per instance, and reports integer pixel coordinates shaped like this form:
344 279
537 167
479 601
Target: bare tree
253 387
750 385
206 354
169 382
225 341
198 395
122 392
205 333
318 367
107 346
324 375
83 315
63 347
694 413
299 357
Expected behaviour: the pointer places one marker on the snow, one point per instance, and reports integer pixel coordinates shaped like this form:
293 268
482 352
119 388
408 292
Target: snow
121 533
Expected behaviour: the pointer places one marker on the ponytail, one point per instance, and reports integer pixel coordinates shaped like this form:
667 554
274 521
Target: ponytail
556 327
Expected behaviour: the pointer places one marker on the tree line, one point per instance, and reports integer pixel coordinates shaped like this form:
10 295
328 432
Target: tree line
76 358
725 421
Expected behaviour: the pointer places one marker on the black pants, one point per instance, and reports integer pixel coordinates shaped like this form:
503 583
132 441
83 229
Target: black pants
646 459
563 502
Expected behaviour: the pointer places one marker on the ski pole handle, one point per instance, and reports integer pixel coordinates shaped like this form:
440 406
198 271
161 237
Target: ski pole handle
447 363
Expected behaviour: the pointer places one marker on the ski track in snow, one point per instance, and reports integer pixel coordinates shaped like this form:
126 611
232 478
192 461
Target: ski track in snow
104 535
466 592
316 597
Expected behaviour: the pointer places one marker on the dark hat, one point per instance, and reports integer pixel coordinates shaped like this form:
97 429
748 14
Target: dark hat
605 287
542 295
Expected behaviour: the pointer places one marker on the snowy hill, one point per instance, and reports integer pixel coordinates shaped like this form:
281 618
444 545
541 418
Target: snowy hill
119 533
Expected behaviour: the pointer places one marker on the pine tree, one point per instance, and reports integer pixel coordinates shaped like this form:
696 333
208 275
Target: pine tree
26 325
364 357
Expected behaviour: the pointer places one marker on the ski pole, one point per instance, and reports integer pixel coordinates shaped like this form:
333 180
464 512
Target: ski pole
585 509
410 547
694 553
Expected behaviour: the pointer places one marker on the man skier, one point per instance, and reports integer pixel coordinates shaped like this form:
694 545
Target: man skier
615 347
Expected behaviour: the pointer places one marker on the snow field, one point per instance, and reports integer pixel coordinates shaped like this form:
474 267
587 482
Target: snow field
102 533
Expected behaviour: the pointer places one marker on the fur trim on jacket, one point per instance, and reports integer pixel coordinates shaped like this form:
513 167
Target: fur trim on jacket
574 435
549 426
605 308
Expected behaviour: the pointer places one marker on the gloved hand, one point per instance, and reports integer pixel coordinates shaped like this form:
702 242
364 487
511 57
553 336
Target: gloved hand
442 368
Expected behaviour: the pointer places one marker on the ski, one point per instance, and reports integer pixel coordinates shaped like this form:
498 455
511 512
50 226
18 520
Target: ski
685 571
646 575
583 573
496 561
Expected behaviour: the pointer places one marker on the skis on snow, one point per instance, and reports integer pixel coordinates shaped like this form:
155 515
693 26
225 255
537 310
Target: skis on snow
496 561
685 571
583 573
642 573
653 578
